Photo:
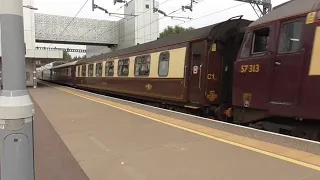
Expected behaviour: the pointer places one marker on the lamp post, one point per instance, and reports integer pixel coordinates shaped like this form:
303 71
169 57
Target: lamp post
16 107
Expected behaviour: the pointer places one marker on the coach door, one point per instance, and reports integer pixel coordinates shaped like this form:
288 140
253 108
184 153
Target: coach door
73 74
196 73
288 63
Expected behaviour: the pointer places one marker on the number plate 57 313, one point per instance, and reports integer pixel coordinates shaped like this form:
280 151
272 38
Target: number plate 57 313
252 68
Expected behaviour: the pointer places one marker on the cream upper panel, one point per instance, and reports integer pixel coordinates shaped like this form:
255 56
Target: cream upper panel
87 67
103 68
115 68
154 65
131 66
176 65
315 59
94 69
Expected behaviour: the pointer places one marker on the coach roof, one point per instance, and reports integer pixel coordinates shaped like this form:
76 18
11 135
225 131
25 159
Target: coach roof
288 9
197 34
65 65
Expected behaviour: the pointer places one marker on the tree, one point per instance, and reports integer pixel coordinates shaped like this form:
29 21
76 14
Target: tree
66 56
174 30
78 57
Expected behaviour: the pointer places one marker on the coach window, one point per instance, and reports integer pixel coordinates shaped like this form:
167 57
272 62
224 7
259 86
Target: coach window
142 65
109 68
290 35
163 69
90 70
84 71
123 67
246 47
260 41
67 72
99 69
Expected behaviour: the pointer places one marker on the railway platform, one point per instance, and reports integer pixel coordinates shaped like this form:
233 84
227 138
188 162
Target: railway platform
107 138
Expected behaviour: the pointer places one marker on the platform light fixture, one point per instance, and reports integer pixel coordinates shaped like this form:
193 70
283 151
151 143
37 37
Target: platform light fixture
120 1
30 7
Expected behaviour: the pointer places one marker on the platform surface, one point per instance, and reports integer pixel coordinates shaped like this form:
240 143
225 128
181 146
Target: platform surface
53 160
115 139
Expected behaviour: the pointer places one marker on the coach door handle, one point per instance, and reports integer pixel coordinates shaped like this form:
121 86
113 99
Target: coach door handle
200 76
277 63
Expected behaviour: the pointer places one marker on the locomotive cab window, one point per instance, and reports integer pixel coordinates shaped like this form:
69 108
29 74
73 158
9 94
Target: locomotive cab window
90 70
123 67
99 69
164 58
109 70
260 41
290 35
84 71
245 51
142 65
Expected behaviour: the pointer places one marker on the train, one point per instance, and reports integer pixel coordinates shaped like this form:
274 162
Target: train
263 73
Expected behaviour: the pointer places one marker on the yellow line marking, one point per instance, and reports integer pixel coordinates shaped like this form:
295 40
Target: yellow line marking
291 160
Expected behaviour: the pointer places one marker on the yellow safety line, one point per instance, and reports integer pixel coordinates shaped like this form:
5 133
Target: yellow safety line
294 161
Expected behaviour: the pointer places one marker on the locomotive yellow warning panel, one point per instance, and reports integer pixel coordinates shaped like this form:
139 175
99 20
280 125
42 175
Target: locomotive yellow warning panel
311 17
247 97
214 47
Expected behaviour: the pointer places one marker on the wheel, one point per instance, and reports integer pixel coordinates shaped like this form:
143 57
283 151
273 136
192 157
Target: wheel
309 131
220 113
316 135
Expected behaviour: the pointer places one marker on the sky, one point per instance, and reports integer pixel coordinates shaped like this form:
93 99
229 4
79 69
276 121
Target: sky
215 9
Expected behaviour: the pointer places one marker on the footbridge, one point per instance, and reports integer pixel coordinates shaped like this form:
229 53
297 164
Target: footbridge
82 31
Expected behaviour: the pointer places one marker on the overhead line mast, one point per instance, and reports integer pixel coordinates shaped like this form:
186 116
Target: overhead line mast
95 6
256 5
